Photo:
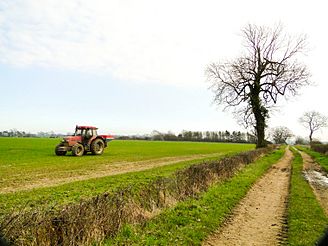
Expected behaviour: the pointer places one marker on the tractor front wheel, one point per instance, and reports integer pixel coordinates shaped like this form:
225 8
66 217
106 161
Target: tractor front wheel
78 150
58 151
97 146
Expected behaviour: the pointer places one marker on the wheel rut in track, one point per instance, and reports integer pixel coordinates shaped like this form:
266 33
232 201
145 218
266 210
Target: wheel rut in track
259 219
317 179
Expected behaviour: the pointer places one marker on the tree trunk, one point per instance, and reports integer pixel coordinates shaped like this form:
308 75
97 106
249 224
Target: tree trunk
311 132
260 127
260 114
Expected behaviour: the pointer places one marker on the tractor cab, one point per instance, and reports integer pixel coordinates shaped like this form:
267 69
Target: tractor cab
87 133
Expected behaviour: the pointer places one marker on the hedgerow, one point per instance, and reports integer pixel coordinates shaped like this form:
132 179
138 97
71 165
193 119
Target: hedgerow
102 216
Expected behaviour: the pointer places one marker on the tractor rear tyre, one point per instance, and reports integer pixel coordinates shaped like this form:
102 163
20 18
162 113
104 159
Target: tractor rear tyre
78 150
97 146
60 152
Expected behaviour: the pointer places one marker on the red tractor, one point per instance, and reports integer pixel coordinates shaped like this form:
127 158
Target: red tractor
85 140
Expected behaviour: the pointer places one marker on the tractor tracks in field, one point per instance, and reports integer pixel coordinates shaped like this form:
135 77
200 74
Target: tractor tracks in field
260 217
110 169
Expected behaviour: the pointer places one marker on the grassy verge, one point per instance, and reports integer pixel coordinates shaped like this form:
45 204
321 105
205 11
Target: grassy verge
191 221
321 159
75 191
306 218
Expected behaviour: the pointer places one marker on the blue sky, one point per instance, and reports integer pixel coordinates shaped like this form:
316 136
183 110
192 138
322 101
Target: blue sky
131 67
43 99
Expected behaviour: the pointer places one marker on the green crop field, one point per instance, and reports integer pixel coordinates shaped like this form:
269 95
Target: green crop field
30 172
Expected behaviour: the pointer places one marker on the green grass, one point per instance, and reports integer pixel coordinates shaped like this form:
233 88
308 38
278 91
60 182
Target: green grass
26 160
75 191
321 159
191 221
306 218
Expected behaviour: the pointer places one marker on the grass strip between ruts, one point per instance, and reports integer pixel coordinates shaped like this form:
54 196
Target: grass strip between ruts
191 221
306 218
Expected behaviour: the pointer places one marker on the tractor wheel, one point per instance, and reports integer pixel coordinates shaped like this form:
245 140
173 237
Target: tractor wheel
78 150
59 152
97 146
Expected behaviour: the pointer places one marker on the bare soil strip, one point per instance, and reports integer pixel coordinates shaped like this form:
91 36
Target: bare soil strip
259 218
107 170
317 179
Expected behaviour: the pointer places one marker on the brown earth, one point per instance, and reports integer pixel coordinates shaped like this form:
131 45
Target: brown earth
320 189
107 170
260 216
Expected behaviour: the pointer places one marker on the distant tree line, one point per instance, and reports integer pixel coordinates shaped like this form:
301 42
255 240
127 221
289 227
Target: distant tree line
197 136
24 134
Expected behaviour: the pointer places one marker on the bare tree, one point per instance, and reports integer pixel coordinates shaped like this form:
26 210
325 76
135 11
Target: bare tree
301 141
253 82
313 121
280 134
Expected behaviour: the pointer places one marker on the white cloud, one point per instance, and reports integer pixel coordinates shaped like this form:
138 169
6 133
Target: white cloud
144 41
167 41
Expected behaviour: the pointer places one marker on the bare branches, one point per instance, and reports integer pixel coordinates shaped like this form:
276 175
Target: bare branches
270 64
280 134
267 71
230 86
313 121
